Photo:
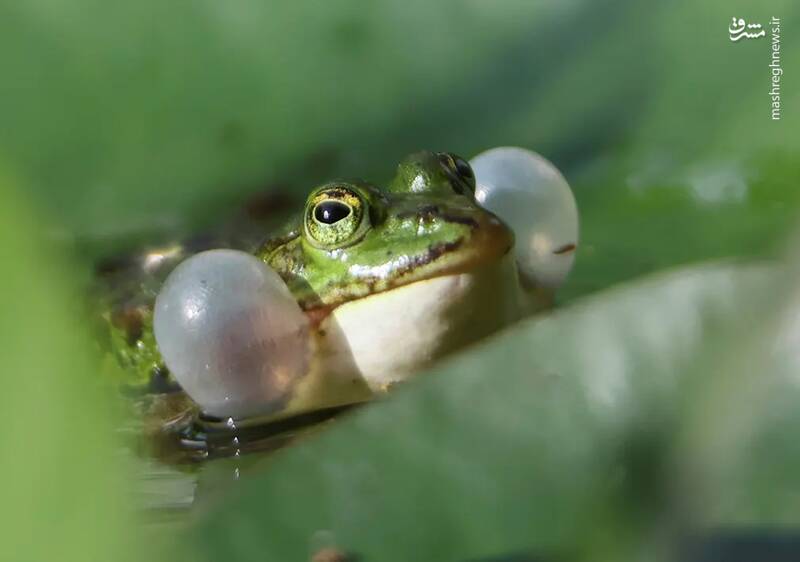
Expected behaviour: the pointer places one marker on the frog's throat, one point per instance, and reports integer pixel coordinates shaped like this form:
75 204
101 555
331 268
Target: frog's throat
367 345
488 244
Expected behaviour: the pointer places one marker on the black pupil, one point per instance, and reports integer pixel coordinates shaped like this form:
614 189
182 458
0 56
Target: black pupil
329 212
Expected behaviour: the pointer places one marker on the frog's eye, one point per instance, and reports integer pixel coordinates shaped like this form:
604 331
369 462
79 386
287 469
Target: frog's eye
335 217
461 169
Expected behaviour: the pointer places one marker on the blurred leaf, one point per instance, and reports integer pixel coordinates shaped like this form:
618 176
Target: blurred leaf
64 493
517 446
736 440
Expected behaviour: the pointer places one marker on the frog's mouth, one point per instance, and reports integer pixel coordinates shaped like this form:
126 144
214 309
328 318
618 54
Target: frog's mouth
486 240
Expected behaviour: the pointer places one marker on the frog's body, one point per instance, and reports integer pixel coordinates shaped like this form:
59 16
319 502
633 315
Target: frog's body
389 279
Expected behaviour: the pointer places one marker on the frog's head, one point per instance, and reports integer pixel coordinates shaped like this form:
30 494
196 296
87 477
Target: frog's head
356 240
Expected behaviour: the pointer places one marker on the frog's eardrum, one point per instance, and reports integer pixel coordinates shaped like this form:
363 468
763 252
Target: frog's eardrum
231 333
533 198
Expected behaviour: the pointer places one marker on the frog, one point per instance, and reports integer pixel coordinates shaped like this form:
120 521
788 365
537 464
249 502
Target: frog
391 279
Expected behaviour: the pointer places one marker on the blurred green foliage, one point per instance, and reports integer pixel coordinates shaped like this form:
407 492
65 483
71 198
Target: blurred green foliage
614 427
152 117
63 486
131 122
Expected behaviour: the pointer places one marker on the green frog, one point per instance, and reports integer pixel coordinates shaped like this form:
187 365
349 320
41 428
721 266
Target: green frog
390 280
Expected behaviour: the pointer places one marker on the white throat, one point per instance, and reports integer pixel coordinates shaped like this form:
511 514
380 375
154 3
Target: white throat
368 344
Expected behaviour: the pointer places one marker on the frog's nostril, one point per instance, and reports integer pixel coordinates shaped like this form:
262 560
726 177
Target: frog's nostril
428 211
423 212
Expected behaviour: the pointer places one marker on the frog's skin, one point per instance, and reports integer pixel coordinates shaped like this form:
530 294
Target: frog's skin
405 275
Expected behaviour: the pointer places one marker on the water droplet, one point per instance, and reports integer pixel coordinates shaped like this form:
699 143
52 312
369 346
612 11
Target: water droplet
231 424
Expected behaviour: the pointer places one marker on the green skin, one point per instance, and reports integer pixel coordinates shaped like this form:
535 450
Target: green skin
425 224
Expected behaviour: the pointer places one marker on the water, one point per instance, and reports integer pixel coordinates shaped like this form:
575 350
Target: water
202 459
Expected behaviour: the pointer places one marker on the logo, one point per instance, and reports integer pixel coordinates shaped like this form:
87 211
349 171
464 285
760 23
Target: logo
741 30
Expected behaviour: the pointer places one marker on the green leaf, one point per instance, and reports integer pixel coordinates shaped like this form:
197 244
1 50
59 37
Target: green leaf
66 495
735 441
518 445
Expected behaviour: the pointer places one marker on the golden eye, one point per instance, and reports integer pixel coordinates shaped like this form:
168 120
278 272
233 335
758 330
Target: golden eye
459 168
335 217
